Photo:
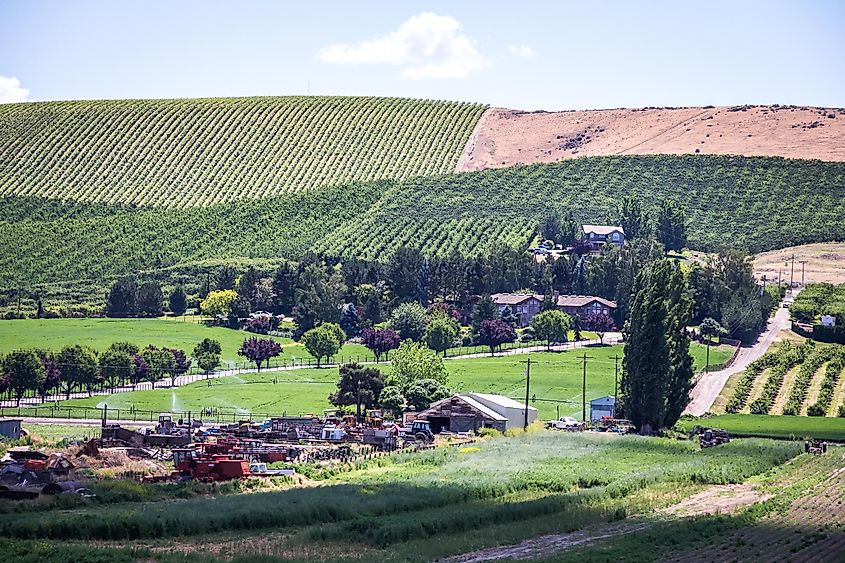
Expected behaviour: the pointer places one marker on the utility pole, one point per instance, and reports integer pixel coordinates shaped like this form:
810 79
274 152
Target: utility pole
527 386
584 392
792 273
802 271
616 385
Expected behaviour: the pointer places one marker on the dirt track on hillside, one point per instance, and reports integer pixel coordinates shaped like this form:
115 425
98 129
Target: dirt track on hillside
505 137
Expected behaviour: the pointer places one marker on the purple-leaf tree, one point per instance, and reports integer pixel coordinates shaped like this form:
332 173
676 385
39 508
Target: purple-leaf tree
183 364
600 324
259 350
53 376
140 370
494 333
380 341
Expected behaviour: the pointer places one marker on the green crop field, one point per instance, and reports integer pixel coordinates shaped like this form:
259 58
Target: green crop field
53 247
420 506
789 379
555 381
179 153
773 426
99 333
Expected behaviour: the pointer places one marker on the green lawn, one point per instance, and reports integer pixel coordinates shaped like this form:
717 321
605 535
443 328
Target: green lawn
769 426
53 334
555 376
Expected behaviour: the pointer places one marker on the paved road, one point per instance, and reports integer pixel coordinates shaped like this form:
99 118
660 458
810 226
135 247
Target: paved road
710 384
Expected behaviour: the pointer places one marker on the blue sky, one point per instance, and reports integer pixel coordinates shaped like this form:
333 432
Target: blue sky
526 55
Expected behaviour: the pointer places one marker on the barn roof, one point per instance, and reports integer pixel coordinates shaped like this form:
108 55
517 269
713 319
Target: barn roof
501 400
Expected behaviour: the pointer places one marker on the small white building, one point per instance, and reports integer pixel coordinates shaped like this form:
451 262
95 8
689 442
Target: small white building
828 320
602 407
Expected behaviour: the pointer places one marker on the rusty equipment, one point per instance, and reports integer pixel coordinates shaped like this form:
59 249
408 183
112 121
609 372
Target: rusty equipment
709 437
815 447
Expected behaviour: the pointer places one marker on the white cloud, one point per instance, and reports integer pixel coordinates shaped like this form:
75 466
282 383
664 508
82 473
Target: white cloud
523 51
11 90
426 45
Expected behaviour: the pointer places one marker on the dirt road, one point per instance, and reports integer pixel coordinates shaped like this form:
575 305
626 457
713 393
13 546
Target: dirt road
716 499
710 384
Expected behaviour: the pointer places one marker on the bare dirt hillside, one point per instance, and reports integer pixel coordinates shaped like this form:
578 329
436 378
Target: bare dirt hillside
505 137
824 262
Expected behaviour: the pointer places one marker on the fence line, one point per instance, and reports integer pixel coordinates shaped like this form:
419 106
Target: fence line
195 374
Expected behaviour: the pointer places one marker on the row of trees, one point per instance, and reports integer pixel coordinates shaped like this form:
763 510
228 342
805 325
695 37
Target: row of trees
77 368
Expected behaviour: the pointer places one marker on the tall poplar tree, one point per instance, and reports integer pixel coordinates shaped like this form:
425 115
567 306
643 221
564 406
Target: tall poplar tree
657 367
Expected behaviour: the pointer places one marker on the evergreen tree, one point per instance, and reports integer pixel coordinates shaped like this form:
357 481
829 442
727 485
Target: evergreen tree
509 316
349 320
671 226
679 309
150 299
403 270
549 302
358 385
284 286
632 218
123 298
645 365
485 310
423 280
226 278
178 301
657 368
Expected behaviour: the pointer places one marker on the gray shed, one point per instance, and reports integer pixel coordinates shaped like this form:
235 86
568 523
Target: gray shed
10 428
603 406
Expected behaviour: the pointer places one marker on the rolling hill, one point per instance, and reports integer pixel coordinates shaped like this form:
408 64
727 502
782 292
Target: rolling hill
754 204
506 137
93 190
181 153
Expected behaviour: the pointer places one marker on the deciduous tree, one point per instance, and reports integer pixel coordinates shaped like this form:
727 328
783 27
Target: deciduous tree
359 386
495 333
551 326
259 350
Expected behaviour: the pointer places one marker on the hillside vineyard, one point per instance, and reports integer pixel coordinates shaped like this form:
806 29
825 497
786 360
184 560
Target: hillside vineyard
199 152
754 204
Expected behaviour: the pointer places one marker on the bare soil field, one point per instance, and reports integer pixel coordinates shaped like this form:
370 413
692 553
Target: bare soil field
505 137
825 262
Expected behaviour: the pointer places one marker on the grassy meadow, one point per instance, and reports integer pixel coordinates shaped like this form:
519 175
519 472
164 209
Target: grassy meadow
405 507
99 333
555 376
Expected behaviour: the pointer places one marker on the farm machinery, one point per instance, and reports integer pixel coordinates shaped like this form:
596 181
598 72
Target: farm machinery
815 447
709 437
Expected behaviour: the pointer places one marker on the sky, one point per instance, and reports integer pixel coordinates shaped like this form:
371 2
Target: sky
528 55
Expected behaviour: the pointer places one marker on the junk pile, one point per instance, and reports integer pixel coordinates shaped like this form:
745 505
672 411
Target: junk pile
26 473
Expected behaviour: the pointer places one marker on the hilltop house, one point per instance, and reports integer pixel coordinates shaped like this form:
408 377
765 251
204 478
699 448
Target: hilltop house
597 235
524 305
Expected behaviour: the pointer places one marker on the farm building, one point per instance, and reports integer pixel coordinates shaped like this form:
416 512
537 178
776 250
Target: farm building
603 406
472 411
10 428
